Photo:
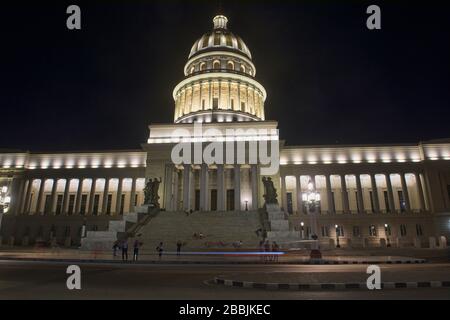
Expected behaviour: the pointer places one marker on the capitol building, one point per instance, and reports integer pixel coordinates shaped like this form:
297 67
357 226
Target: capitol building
351 195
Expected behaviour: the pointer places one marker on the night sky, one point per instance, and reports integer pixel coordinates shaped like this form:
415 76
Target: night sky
329 79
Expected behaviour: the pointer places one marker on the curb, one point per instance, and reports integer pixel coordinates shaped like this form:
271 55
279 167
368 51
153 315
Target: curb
119 261
329 286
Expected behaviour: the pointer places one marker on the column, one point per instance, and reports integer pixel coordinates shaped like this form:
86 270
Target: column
299 194
53 197
360 193
105 196
92 196
420 190
175 191
345 204
15 194
26 205
78 198
390 192
405 192
329 195
376 203
204 188
237 187
283 193
186 187
220 187
40 196
66 196
168 185
132 194
119 196
254 173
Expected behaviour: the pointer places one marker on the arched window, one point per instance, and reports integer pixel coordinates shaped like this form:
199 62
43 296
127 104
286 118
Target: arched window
216 64
202 66
192 69
242 68
230 65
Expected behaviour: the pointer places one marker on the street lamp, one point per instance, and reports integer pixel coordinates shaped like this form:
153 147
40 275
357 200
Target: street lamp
312 199
387 233
337 236
302 233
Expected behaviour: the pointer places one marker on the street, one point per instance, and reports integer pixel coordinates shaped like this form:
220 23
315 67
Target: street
47 280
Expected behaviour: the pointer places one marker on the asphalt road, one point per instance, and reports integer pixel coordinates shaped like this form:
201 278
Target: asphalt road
43 280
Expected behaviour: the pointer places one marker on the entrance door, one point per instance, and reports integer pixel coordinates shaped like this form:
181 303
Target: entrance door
213 199
197 200
289 202
230 200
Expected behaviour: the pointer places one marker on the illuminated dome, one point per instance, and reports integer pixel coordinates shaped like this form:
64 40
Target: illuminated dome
220 38
219 84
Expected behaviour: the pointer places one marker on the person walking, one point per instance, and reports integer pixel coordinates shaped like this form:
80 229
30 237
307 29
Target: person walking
275 249
136 247
179 244
267 249
159 248
115 247
125 250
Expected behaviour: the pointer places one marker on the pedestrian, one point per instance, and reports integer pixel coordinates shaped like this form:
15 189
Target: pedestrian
136 246
261 250
275 248
125 250
159 248
179 244
115 247
267 249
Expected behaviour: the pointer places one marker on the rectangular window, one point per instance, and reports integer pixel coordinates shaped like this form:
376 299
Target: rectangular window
71 204
371 202
215 103
243 106
59 203
232 103
403 230
203 104
96 203
387 230
356 231
419 230
401 201
372 231
48 203
108 204
325 231
83 203
308 231
386 201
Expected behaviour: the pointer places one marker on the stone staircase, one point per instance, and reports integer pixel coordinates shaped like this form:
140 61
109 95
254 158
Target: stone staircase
280 231
221 230
130 224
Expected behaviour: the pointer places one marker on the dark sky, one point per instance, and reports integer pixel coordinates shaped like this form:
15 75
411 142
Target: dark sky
328 78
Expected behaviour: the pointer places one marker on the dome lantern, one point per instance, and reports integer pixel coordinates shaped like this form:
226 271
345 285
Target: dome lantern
220 22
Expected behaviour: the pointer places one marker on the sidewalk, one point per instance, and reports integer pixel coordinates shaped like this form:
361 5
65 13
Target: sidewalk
75 255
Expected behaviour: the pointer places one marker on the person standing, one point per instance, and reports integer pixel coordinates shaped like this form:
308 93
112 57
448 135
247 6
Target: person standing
125 250
179 244
115 247
159 248
136 247
275 249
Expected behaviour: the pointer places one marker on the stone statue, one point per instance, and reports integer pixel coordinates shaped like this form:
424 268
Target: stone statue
155 187
148 191
151 192
270 193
